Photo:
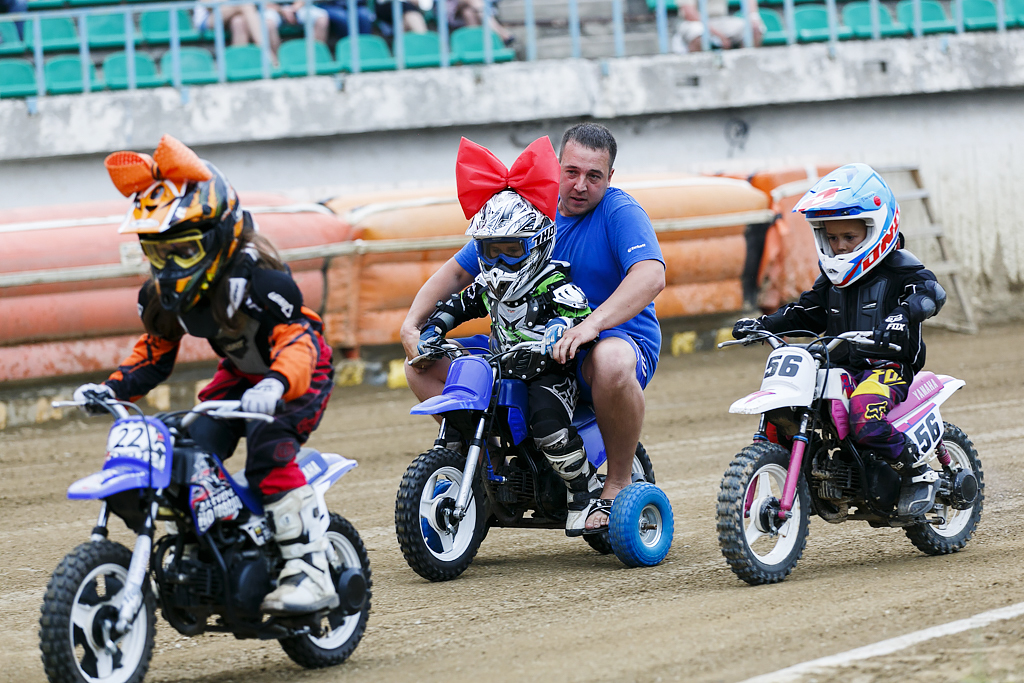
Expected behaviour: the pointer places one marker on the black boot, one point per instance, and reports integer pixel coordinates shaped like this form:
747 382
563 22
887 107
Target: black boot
920 482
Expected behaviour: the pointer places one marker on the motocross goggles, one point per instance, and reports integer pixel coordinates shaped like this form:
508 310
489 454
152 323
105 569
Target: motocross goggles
186 249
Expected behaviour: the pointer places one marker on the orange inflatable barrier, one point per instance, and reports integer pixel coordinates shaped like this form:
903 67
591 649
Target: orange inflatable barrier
87 297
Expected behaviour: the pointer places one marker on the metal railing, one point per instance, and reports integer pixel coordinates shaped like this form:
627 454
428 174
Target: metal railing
33 25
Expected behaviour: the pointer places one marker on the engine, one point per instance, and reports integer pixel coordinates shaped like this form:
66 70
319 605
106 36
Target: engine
194 585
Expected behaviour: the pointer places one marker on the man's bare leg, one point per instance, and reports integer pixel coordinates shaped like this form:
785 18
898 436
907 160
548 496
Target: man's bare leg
610 370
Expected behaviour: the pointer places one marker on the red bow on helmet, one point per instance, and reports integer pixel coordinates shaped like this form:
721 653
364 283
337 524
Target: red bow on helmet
479 175
133 172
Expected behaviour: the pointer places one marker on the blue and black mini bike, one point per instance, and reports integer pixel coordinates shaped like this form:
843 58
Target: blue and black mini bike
209 571
448 501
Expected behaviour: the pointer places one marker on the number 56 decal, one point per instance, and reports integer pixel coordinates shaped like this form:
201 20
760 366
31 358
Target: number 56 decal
928 433
785 366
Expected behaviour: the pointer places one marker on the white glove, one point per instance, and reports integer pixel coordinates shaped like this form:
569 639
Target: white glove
263 397
80 397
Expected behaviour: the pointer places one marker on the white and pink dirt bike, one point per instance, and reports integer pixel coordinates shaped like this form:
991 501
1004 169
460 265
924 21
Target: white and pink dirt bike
770 491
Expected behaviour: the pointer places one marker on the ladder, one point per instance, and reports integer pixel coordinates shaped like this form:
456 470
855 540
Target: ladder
945 267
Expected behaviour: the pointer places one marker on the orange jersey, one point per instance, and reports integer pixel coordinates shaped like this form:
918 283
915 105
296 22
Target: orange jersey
280 337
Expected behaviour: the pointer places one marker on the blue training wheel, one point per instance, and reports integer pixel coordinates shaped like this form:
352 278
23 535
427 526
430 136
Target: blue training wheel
641 525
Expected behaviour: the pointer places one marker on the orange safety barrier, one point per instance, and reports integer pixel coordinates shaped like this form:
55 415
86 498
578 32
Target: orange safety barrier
72 327
789 262
364 292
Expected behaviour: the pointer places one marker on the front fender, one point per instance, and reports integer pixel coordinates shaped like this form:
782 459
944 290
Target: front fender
109 481
763 401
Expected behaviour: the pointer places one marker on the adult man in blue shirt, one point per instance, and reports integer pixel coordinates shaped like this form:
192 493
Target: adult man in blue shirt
614 257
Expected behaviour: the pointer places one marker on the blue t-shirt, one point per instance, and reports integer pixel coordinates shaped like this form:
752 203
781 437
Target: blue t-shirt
601 247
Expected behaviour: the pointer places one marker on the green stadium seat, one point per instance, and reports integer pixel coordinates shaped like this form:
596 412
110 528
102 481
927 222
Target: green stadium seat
670 5
1014 12
107 30
64 75
292 56
933 17
115 72
857 15
774 30
88 3
156 27
812 25
980 15
422 49
244 63
59 33
17 78
468 46
197 66
36 5
374 54
10 42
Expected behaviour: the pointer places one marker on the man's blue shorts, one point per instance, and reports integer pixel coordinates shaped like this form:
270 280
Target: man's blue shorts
647 362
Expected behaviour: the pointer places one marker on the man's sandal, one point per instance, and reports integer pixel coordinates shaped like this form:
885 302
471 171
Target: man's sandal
597 505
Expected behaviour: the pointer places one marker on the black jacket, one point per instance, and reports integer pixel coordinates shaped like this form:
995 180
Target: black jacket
900 281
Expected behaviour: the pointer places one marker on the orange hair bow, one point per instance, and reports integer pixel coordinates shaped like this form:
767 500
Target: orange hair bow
479 175
133 172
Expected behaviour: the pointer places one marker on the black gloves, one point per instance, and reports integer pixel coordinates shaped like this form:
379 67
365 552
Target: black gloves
895 329
745 327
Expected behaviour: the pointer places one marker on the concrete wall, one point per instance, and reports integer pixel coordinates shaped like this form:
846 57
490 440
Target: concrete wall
954 105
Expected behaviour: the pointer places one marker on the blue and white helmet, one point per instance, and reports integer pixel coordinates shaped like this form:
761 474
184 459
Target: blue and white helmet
852 191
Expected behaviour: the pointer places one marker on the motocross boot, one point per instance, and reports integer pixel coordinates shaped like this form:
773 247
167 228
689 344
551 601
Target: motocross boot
920 482
305 583
570 462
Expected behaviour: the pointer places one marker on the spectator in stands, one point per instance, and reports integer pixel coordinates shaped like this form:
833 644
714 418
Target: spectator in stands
337 13
243 21
14 7
412 17
296 14
471 13
726 31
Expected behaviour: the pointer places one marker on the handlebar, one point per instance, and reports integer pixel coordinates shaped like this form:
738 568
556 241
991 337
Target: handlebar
454 351
222 409
858 337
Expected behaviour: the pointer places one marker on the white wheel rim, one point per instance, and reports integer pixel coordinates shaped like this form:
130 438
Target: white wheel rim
768 482
347 557
452 545
650 525
956 520
132 646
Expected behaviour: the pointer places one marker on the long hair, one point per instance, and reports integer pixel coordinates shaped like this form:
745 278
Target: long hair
163 323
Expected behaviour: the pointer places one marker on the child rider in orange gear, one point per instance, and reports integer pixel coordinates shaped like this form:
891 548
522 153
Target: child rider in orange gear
214 277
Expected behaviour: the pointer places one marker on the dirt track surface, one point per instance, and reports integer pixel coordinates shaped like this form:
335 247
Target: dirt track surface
537 605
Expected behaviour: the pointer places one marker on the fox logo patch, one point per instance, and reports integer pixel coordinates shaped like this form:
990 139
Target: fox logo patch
876 411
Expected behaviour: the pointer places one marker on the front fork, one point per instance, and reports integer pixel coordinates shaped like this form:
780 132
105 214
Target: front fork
476 447
138 568
796 460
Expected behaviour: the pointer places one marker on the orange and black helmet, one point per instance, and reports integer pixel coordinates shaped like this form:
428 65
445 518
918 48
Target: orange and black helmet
187 217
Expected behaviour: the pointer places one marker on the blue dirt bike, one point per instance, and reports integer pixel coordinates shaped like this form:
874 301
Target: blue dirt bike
215 560
447 501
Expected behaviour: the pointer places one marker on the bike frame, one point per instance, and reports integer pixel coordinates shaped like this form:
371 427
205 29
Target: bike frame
795 379
473 385
147 465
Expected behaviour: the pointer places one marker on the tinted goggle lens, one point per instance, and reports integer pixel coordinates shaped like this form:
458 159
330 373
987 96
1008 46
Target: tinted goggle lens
511 252
186 251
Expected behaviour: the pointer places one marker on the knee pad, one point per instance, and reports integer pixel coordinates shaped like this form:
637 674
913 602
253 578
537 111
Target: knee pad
550 435
872 387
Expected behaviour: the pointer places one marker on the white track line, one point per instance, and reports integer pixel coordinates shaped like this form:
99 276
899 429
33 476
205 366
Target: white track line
889 646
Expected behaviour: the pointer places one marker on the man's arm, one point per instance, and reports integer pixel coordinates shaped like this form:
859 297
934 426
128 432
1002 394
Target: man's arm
451 278
642 283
